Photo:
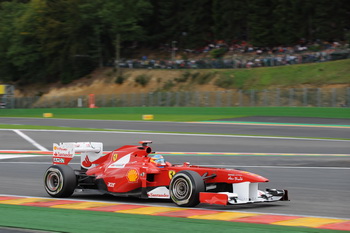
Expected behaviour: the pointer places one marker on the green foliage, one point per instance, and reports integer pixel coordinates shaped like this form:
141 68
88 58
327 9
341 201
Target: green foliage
184 77
347 37
224 81
260 22
230 19
315 48
204 78
196 77
120 79
168 85
143 79
61 40
217 53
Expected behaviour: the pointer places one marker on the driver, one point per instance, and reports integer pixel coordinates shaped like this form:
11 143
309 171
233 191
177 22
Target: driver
158 160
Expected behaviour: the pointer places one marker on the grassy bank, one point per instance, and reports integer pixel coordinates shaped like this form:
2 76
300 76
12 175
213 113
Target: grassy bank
177 113
334 74
314 74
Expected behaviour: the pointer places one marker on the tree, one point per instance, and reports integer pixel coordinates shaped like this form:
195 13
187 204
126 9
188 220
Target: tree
14 56
230 19
286 26
61 39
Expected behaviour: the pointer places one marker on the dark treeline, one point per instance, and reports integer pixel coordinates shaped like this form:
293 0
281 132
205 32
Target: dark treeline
61 40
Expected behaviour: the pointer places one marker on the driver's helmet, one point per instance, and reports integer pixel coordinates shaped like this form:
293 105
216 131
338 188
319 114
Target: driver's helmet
158 160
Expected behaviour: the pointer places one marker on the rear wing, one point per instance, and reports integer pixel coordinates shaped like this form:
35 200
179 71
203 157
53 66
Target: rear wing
64 152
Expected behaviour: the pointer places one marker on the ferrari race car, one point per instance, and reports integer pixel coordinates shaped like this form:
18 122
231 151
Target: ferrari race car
134 170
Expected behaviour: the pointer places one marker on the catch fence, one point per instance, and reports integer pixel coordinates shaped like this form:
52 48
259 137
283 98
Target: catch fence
307 97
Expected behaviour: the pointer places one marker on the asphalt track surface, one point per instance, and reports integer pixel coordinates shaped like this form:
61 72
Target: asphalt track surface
248 128
316 175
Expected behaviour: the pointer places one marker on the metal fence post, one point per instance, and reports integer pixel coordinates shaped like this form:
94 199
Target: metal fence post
240 97
218 98
305 97
319 103
229 98
150 99
62 101
159 99
114 100
196 99
187 99
334 97
177 101
122 100
291 97
278 96
208 99
103 102
252 95
167 101
133 100
142 99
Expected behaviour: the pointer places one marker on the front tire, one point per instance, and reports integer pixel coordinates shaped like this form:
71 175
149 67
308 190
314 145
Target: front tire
185 187
60 181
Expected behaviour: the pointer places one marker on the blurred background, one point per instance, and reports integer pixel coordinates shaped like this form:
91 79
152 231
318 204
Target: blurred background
59 41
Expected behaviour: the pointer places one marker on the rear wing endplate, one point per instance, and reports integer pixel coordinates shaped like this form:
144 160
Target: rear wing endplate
64 152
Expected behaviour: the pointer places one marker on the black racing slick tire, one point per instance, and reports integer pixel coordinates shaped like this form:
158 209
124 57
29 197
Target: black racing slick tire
60 181
185 187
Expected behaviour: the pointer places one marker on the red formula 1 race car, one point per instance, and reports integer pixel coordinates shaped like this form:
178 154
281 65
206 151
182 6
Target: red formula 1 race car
137 171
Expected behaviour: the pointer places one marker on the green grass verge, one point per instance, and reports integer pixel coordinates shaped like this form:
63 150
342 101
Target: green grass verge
177 113
64 220
4 126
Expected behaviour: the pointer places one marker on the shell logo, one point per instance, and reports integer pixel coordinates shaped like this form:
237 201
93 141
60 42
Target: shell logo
132 175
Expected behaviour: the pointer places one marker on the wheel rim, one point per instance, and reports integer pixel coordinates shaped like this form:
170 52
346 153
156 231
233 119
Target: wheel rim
53 181
181 189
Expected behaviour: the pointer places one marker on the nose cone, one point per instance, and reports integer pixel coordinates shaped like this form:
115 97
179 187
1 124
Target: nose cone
253 177
237 176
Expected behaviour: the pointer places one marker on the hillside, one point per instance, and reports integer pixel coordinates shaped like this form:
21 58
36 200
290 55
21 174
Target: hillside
104 81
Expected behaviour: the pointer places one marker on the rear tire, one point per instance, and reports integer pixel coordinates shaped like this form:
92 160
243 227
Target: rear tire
60 181
185 187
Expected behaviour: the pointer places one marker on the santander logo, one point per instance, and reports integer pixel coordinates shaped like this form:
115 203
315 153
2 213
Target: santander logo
158 195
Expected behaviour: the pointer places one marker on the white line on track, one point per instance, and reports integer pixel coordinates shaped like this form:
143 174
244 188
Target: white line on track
9 156
184 134
30 140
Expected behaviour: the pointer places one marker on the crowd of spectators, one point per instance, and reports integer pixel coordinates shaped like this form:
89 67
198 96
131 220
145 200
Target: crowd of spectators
244 47
243 55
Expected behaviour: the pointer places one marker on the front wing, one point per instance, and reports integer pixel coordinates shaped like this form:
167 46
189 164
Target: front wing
244 193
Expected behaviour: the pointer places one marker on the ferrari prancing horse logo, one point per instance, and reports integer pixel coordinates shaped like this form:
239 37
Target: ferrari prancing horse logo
115 156
171 174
